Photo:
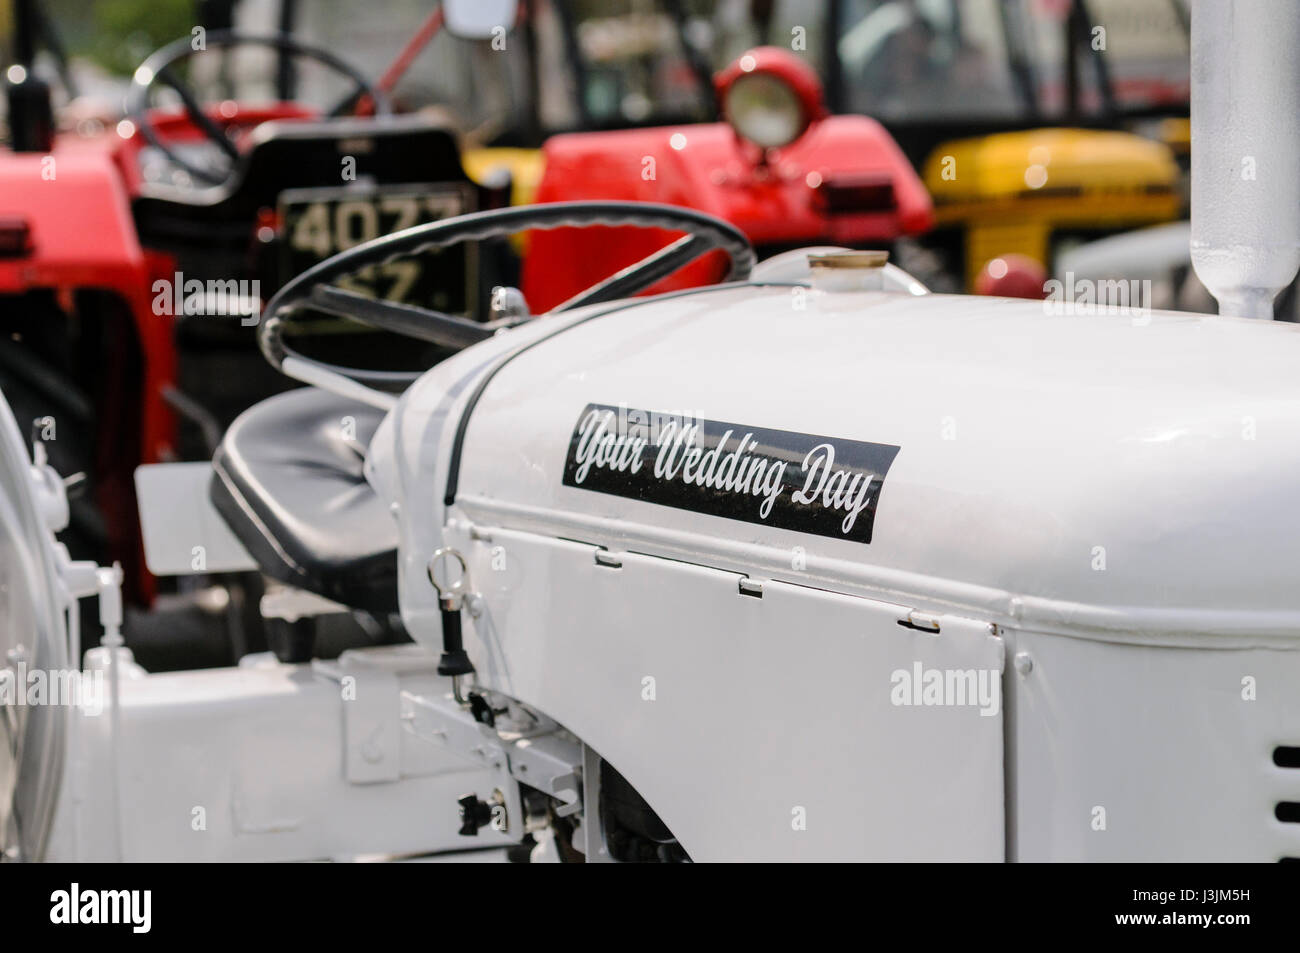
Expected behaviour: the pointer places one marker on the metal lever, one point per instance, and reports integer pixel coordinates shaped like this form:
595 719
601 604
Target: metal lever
451 597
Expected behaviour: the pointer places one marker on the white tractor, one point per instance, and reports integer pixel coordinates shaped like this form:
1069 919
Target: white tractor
810 564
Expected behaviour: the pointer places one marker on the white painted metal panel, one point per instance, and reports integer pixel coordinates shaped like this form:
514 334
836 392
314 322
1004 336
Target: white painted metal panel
176 516
1175 746
251 764
765 711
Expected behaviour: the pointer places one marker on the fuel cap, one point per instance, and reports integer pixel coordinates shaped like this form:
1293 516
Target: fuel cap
841 271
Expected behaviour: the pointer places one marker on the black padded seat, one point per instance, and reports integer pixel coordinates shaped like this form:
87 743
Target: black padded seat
288 481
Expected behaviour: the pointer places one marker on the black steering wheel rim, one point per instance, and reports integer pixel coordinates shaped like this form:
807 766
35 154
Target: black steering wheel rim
159 63
702 234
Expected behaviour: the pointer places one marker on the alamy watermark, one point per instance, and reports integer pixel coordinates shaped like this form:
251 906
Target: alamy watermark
947 687
1107 296
179 296
20 686
133 908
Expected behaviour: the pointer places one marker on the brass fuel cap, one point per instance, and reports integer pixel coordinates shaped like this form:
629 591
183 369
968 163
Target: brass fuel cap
841 271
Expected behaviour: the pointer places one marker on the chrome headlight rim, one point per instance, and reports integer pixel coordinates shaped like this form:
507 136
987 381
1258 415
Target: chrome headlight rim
766 110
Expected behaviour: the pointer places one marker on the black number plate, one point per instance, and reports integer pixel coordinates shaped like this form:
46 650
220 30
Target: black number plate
316 224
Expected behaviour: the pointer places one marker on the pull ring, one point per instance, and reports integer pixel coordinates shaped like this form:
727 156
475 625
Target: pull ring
450 594
454 661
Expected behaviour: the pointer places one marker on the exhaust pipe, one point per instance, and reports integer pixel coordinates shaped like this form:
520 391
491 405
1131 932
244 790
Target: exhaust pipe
1245 151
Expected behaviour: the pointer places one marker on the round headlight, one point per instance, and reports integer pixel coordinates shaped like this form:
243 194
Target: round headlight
765 110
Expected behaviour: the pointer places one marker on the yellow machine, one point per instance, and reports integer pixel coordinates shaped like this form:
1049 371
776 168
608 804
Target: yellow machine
524 166
1029 192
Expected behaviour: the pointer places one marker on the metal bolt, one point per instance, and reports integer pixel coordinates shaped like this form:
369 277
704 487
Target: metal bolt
474 603
1024 664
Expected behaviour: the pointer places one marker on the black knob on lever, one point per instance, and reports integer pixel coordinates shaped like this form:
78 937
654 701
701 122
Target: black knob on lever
453 660
473 815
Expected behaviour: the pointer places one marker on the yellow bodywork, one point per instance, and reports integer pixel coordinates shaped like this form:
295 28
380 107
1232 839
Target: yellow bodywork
524 166
1010 192
1176 134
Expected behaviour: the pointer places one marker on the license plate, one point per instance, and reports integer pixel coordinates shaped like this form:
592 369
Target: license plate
316 224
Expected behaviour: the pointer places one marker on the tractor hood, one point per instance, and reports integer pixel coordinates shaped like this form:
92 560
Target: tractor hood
1117 475
1057 162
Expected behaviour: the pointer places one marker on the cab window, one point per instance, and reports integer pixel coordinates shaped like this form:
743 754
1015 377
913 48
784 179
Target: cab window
907 59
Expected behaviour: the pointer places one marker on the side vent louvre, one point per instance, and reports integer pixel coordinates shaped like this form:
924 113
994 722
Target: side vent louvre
1286 757
1288 812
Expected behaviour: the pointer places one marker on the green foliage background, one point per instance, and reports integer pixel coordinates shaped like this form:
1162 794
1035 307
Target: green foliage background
118 34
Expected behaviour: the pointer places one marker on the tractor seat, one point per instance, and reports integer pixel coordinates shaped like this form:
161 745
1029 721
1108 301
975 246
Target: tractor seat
288 481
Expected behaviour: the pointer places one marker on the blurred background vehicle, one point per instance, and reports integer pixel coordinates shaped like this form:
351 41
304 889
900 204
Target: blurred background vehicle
144 226
1038 124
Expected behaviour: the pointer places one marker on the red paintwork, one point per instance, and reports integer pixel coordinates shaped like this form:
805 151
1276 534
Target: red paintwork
83 237
771 203
174 126
783 65
1012 276
771 197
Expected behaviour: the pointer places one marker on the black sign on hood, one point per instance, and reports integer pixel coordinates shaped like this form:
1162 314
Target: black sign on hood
797 481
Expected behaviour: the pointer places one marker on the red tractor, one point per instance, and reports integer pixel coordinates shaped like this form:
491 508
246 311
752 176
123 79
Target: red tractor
779 167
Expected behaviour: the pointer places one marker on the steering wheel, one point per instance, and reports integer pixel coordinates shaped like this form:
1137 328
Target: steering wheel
312 291
159 68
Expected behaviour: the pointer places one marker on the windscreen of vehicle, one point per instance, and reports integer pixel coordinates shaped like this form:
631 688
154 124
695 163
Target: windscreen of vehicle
938 60
481 89
633 64
1146 51
926 60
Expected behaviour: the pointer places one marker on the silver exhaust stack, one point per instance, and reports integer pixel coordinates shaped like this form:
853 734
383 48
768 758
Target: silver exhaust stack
1245 151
